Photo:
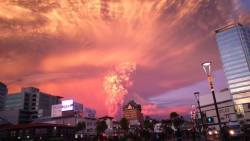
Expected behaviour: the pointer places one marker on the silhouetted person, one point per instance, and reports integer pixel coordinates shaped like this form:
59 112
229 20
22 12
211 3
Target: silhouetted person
246 133
193 133
225 133
178 135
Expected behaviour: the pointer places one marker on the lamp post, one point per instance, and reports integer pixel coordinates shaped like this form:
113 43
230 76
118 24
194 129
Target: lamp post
207 68
197 97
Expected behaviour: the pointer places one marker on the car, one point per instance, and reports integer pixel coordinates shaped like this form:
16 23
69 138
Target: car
212 132
234 131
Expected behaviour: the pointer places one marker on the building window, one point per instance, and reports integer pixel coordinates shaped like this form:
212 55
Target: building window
13 133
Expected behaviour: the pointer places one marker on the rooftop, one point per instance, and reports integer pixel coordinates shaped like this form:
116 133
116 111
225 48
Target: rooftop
105 117
228 26
35 125
2 84
133 104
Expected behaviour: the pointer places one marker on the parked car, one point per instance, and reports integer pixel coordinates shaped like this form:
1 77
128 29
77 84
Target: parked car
212 132
234 131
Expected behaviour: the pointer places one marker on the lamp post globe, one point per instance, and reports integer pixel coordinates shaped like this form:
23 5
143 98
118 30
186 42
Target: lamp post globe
197 95
207 67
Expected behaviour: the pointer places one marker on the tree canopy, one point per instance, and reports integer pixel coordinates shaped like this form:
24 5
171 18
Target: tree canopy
124 124
101 126
149 123
80 126
176 119
174 115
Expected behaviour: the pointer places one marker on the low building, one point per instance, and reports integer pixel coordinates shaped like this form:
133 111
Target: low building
89 113
37 131
225 107
246 107
108 120
27 105
67 112
71 107
132 112
70 120
4 123
67 107
70 112
90 128
3 94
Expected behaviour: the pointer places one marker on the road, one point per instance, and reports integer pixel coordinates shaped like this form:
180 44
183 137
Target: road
209 139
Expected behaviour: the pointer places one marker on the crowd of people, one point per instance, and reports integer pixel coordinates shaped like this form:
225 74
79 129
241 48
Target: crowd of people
177 135
147 135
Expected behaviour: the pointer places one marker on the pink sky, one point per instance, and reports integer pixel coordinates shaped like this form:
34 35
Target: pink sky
67 49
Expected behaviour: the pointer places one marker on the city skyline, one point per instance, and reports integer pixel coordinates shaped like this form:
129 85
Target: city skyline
73 59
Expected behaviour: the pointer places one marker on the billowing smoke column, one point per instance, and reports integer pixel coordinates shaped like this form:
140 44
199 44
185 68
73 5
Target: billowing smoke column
116 83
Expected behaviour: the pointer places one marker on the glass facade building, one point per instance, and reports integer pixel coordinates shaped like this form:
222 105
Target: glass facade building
15 101
30 104
3 94
234 46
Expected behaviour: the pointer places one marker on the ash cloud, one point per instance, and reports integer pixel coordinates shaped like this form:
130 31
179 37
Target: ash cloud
46 42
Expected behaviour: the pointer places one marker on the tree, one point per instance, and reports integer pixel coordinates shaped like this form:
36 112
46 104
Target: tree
101 126
80 126
176 119
148 123
174 115
124 124
166 122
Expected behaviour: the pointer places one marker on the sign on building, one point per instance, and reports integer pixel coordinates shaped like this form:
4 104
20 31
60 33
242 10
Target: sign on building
56 110
67 105
90 113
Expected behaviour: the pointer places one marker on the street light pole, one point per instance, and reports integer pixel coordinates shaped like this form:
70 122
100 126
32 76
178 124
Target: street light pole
197 96
207 68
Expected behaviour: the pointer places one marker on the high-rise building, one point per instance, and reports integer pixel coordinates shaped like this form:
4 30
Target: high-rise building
27 105
234 46
132 112
3 94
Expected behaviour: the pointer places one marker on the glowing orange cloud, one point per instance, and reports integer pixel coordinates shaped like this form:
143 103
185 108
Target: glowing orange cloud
67 47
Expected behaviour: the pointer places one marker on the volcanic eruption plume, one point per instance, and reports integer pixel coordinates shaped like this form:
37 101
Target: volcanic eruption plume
68 44
115 84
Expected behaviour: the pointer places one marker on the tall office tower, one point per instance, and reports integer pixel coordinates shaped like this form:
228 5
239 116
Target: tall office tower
3 94
29 104
234 45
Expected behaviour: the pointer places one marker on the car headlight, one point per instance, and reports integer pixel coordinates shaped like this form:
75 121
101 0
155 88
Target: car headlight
231 132
215 132
210 133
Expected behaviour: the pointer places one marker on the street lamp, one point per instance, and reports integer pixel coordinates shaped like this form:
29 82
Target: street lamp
197 97
207 68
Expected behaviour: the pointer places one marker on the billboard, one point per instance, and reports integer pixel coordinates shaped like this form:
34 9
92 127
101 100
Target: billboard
67 105
56 110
